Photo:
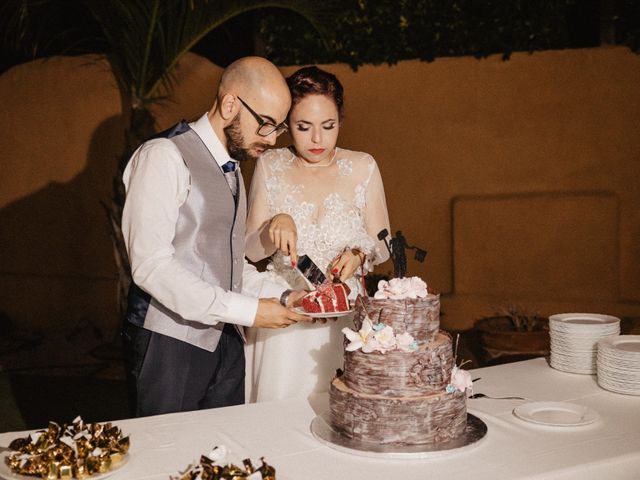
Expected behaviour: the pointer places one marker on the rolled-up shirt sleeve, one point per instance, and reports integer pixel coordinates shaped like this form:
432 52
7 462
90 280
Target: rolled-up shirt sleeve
157 184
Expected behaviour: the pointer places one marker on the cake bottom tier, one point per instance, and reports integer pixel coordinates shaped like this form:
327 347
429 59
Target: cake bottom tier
397 420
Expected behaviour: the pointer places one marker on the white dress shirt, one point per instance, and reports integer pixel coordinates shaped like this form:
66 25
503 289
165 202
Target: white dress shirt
157 183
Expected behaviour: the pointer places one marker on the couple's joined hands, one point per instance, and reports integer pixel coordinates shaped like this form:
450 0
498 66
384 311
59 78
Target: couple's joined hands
271 314
284 235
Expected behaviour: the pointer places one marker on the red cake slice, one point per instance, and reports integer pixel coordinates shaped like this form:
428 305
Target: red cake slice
328 297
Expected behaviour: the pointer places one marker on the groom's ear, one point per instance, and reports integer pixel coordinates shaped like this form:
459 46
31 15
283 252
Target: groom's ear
229 107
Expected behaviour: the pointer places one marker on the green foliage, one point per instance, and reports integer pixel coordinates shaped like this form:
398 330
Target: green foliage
386 31
522 320
626 18
144 39
147 38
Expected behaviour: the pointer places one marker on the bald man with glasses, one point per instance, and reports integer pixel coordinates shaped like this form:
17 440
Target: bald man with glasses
184 227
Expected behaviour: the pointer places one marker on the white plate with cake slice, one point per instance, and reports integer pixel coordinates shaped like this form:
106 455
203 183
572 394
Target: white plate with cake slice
302 311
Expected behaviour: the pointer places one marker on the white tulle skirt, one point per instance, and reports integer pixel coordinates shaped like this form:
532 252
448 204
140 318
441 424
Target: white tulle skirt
293 362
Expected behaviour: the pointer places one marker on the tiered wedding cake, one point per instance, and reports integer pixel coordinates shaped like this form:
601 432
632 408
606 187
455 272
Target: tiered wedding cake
400 385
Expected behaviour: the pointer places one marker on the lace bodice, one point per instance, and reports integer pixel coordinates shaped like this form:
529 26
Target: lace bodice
334 207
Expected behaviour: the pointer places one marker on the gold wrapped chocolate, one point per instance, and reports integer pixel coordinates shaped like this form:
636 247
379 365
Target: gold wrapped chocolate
267 471
248 466
80 471
54 469
105 465
208 469
19 443
66 472
116 458
72 451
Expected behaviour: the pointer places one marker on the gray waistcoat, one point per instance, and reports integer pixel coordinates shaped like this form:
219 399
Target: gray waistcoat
209 240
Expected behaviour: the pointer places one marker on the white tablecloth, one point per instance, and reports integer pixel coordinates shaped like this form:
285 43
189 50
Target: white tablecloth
512 449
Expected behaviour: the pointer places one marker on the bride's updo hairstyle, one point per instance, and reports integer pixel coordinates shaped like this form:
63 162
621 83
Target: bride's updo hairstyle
315 81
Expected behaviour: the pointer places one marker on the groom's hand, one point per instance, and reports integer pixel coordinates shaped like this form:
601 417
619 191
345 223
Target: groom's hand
271 314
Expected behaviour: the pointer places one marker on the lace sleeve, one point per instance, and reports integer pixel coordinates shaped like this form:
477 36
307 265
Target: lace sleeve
371 201
376 217
256 248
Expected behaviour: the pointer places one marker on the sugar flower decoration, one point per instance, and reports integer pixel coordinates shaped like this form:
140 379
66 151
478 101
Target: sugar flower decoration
363 338
406 342
386 339
401 288
378 338
460 379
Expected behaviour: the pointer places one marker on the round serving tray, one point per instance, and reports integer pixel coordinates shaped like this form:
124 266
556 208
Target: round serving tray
475 431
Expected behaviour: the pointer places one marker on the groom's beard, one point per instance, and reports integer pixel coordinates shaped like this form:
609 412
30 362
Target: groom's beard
235 142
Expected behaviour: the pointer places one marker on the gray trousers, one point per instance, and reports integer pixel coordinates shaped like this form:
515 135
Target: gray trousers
166 375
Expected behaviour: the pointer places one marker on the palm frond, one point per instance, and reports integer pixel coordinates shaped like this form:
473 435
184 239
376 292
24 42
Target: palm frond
31 29
16 25
148 37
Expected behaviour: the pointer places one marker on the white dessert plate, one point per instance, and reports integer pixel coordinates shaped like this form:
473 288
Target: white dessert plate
557 414
582 320
619 364
7 474
618 386
625 344
301 311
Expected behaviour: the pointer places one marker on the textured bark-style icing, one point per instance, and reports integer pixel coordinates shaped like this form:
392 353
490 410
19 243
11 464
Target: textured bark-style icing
419 317
399 397
397 420
397 373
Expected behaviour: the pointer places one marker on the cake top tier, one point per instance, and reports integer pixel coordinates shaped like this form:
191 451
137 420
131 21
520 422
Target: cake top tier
419 317
402 288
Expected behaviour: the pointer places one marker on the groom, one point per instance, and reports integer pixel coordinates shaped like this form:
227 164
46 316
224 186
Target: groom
184 227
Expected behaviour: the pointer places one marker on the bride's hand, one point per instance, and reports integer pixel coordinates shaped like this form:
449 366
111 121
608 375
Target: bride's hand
284 235
295 298
347 263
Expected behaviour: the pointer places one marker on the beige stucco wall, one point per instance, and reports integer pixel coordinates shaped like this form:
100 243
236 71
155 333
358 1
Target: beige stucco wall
518 177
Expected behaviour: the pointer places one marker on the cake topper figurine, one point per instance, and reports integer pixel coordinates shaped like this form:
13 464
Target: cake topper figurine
397 250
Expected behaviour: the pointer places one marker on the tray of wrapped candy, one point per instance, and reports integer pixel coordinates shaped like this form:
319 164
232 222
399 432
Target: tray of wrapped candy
76 450
215 467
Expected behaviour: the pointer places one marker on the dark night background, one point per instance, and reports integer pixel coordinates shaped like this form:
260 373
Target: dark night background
369 36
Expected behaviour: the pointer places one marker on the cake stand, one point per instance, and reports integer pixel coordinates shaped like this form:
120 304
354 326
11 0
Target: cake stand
474 432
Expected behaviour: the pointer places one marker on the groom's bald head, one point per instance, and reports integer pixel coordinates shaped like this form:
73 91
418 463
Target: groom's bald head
263 89
253 77
259 83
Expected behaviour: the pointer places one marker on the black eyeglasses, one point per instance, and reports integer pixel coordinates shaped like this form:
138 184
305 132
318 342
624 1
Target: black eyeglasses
265 128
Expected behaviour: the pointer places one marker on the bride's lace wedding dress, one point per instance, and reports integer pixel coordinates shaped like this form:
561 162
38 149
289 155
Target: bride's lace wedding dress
335 206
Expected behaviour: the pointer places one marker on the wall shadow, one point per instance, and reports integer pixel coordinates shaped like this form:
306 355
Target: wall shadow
56 261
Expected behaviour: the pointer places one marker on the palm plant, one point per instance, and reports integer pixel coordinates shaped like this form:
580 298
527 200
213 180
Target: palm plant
144 40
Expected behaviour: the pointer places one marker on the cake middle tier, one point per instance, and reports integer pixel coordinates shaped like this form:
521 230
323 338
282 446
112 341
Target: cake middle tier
397 373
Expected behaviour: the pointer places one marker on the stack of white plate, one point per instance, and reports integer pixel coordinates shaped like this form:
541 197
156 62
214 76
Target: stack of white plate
619 364
574 340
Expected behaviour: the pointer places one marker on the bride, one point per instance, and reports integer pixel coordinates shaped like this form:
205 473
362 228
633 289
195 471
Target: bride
316 199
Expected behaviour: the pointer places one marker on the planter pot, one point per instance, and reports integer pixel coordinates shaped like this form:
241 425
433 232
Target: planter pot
498 338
